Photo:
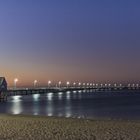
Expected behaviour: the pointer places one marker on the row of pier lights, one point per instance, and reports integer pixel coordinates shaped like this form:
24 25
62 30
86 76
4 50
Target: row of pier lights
80 85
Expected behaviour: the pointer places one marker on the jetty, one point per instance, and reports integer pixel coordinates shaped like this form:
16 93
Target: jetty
5 92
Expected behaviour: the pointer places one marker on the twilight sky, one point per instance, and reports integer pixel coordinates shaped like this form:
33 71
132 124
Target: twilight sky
76 40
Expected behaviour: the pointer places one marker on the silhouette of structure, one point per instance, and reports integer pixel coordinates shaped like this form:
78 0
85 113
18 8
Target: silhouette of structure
3 88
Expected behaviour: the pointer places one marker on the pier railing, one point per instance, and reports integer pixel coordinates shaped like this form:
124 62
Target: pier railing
27 91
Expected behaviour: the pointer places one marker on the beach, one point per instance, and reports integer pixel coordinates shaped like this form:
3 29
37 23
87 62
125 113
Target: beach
22 127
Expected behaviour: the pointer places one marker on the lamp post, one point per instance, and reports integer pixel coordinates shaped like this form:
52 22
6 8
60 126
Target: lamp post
84 85
90 85
79 84
115 85
68 83
74 84
101 85
35 82
96 85
15 83
49 83
59 83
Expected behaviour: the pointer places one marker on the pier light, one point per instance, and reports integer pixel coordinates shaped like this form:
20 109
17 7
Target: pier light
87 85
137 85
101 85
59 83
84 84
68 83
49 83
79 84
96 85
15 82
129 85
90 84
74 84
115 85
93 84
109 85
133 85
105 85
120 85
35 82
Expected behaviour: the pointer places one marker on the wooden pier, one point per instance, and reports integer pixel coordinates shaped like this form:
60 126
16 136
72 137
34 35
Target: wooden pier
5 92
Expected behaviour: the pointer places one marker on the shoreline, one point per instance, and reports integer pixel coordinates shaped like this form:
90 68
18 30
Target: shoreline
73 117
31 127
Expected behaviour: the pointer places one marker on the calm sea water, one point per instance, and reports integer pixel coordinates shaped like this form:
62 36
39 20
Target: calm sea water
80 104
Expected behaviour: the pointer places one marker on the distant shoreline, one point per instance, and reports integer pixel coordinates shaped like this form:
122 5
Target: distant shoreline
40 128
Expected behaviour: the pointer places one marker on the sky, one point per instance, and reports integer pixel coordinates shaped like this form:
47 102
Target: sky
75 40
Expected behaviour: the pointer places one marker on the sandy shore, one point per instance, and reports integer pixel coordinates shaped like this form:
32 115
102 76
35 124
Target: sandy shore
50 128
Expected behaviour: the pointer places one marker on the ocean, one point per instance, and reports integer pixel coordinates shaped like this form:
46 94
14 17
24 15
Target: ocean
89 104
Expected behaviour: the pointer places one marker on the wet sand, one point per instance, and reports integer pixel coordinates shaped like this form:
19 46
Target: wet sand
21 127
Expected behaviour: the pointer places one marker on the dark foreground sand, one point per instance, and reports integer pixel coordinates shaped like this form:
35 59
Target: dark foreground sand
51 128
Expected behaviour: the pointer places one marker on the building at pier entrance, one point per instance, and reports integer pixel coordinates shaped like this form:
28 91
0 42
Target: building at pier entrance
3 84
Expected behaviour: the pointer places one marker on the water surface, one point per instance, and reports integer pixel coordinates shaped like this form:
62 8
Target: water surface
81 104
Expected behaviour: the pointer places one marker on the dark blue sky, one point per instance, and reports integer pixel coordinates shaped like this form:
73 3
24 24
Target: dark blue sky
86 40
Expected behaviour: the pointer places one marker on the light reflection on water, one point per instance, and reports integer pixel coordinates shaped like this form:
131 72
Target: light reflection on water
49 104
60 95
75 104
16 106
68 95
16 98
80 95
36 97
50 96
